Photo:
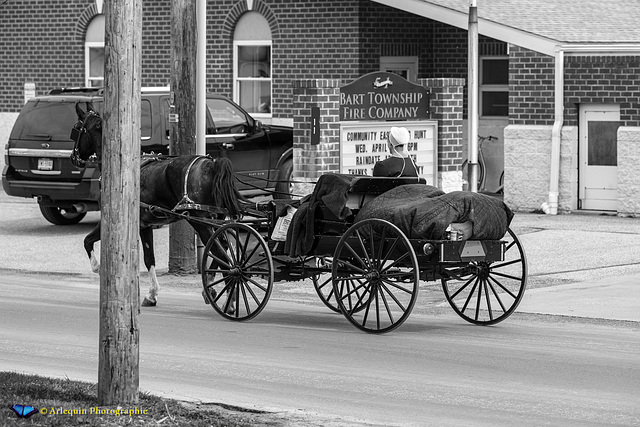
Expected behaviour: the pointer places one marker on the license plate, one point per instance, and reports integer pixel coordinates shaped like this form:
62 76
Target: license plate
45 164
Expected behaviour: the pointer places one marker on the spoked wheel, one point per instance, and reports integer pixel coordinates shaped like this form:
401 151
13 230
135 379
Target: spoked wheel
323 283
486 293
237 272
375 276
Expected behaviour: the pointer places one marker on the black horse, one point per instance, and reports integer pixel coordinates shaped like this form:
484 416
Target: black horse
171 183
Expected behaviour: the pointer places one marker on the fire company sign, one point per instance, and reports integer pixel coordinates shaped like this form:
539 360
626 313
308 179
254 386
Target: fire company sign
383 96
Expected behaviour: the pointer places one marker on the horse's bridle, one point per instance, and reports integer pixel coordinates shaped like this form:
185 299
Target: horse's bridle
76 132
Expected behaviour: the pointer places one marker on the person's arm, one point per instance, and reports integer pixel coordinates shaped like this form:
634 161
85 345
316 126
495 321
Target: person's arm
380 169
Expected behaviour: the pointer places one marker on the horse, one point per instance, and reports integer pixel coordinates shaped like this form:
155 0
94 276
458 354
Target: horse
170 183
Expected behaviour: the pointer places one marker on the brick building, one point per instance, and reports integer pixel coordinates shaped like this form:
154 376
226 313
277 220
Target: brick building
558 78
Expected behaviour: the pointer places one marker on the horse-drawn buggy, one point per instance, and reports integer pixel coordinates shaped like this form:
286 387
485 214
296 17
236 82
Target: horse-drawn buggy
366 268
367 244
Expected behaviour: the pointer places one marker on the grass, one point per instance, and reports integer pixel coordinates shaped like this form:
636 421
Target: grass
63 395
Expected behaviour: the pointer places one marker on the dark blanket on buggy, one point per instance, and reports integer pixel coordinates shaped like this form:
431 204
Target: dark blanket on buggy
419 210
332 190
424 212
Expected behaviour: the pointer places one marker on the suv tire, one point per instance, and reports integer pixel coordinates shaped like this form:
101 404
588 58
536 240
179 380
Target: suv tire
284 186
59 216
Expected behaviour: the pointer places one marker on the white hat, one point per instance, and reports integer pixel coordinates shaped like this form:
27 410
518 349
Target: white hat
399 136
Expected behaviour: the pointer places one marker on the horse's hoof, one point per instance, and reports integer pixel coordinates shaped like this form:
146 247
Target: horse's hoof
206 298
148 303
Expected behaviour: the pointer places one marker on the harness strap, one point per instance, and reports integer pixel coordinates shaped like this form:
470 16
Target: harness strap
186 200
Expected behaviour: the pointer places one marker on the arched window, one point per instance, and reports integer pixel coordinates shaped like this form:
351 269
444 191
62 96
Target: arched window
94 52
252 64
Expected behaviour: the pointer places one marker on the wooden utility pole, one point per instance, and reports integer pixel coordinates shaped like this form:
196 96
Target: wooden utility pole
118 365
182 248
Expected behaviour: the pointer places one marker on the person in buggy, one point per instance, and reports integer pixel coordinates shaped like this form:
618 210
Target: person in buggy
400 163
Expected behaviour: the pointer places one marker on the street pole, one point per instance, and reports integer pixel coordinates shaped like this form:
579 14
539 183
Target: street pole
473 97
118 351
201 96
182 250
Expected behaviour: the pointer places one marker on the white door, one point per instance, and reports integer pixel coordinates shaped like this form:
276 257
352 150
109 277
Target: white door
598 157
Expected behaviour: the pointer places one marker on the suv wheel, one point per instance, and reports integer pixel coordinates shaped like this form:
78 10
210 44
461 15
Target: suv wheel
60 216
284 186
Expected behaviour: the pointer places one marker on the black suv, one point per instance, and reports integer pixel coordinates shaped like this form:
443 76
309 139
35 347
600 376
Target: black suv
38 162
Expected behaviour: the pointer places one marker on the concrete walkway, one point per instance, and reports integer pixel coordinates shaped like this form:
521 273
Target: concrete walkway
583 265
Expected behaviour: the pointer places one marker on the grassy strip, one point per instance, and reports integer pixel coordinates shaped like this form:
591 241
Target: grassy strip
69 403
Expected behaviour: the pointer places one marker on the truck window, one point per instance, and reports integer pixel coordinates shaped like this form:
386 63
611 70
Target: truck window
226 117
145 122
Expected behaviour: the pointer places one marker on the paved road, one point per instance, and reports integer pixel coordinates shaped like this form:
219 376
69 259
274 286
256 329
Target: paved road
435 370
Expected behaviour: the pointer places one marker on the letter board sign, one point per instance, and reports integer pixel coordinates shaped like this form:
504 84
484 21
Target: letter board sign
363 144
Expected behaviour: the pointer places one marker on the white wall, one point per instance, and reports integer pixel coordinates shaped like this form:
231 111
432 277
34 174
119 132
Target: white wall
628 175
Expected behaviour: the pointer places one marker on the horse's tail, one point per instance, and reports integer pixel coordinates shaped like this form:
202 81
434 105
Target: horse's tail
225 194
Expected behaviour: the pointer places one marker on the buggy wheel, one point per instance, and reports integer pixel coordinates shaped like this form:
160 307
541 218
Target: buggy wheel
323 283
237 272
486 293
375 276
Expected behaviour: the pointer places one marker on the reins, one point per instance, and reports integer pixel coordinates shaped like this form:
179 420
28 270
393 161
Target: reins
271 192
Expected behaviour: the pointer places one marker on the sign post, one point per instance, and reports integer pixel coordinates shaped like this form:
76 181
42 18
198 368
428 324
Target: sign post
473 96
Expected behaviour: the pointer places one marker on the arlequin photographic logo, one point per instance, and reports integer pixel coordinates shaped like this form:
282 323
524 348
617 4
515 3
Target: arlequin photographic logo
23 411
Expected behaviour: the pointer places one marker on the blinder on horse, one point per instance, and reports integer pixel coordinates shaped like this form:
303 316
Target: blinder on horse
76 133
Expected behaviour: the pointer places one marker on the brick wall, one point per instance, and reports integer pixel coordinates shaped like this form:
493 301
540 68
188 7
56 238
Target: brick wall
386 31
43 42
446 107
34 50
603 80
311 161
531 87
587 79
323 39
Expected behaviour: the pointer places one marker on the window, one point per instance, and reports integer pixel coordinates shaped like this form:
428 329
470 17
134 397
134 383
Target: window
494 86
94 52
405 66
145 122
225 118
252 64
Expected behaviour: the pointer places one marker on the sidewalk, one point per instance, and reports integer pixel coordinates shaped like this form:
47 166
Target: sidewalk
582 265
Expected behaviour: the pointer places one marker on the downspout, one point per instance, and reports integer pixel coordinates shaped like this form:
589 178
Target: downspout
556 133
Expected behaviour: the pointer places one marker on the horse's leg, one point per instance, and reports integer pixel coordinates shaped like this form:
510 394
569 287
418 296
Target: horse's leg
205 234
146 236
89 241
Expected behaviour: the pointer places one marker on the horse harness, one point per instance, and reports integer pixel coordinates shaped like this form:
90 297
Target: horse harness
186 204
76 132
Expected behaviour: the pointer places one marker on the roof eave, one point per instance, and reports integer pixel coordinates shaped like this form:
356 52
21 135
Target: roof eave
461 20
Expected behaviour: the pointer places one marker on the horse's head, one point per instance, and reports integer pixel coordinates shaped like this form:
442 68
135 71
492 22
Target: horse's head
87 134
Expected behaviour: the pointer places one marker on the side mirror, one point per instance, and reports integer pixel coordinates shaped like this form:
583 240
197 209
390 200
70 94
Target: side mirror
257 126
